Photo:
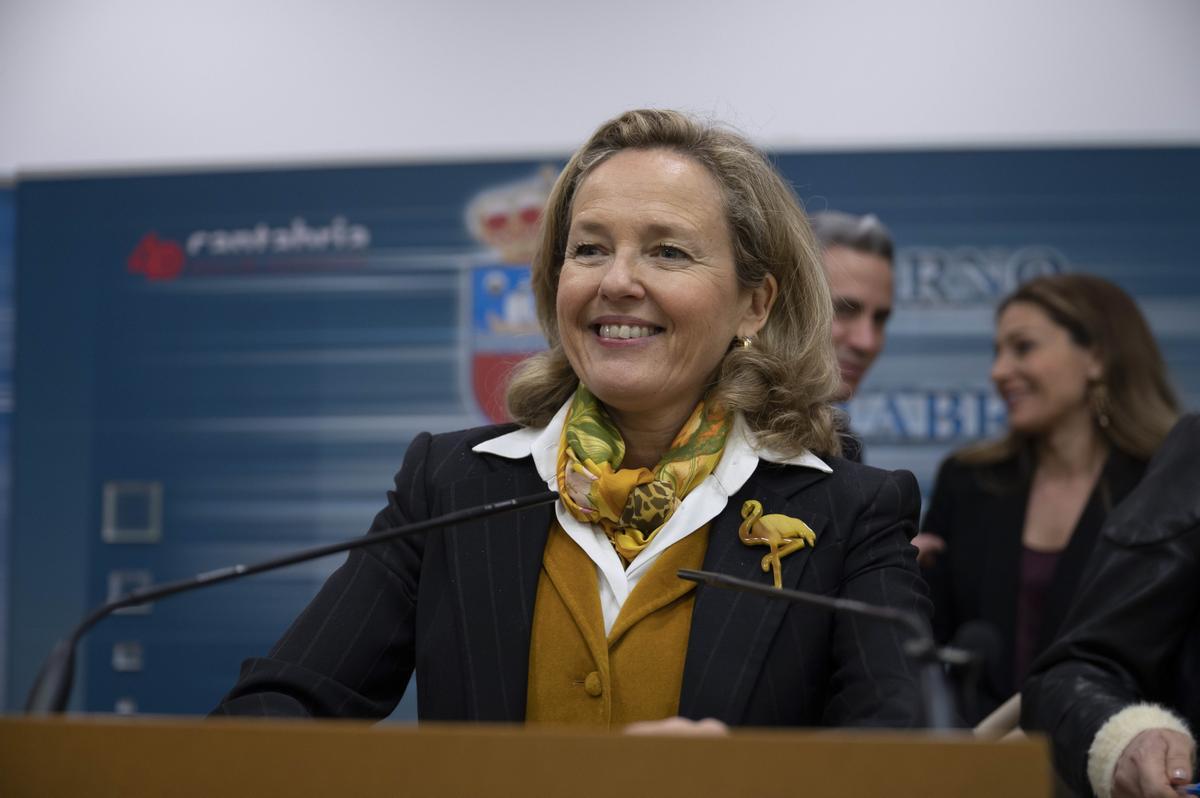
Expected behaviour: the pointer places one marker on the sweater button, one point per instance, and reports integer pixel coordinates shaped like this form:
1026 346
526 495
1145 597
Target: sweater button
592 685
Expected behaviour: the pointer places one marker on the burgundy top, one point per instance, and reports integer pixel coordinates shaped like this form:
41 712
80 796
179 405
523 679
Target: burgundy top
1037 573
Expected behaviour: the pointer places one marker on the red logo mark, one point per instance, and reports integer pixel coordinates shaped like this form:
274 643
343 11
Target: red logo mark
157 258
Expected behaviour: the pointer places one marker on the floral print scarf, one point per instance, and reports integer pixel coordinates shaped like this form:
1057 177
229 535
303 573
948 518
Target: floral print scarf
632 504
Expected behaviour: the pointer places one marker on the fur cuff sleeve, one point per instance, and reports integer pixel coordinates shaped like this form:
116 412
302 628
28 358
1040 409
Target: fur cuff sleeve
1116 733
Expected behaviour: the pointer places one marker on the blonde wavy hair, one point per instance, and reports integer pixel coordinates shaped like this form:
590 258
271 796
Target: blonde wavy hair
783 384
1133 392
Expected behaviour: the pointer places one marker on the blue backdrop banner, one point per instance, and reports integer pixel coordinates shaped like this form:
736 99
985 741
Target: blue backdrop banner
7 225
221 367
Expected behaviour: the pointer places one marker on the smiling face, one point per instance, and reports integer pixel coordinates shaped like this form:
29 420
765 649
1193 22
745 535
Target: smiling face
648 301
1039 371
861 287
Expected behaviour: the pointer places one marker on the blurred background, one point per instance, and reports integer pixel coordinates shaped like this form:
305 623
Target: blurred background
249 249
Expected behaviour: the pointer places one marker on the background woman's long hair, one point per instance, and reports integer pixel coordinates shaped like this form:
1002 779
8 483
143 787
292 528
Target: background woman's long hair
784 383
1141 404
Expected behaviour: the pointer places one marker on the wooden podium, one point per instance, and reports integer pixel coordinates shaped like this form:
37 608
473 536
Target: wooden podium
109 756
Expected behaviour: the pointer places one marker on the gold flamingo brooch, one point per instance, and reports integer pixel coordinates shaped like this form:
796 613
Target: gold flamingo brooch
782 533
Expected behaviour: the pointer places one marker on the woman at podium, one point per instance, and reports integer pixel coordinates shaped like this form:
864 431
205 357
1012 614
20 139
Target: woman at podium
682 411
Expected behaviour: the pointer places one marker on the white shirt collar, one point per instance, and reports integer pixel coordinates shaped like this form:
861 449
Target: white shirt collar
542 444
705 502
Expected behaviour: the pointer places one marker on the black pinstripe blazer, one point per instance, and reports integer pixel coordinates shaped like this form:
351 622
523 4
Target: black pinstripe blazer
456 606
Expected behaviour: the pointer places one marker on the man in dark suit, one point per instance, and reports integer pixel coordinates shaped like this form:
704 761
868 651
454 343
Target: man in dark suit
857 252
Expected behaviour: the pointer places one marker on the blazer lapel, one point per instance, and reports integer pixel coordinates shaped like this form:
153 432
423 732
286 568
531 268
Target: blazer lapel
494 565
732 631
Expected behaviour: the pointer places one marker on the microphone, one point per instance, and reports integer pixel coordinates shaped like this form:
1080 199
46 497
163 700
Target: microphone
52 688
937 701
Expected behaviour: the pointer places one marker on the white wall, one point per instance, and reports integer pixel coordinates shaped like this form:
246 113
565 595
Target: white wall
158 82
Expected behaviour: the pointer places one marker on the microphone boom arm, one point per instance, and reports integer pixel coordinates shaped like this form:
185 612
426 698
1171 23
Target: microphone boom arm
52 688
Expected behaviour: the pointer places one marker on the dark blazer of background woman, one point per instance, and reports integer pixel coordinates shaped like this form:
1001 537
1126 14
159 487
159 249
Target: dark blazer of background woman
979 510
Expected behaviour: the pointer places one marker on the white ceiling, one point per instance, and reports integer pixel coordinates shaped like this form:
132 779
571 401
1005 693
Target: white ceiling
153 83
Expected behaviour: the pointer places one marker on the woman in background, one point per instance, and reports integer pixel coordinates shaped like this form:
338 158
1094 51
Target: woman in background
1088 402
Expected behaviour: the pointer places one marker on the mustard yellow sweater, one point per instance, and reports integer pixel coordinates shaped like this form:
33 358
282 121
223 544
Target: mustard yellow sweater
580 676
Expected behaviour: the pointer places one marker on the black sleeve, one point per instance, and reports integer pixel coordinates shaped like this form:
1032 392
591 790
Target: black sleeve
350 652
1124 632
874 682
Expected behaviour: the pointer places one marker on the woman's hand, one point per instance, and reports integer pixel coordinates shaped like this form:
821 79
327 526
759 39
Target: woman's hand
928 546
677 726
1152 765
